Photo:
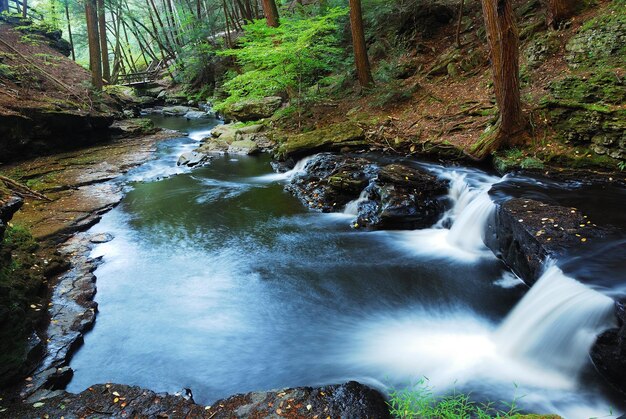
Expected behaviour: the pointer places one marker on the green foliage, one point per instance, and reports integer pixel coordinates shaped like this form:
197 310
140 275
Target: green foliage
285 60
621 165
419 401
6 71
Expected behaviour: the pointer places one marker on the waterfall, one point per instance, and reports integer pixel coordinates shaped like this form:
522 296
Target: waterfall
288 175
556 323
352 207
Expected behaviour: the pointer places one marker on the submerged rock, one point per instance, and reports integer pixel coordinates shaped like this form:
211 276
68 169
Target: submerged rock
196 115
192 159
350 400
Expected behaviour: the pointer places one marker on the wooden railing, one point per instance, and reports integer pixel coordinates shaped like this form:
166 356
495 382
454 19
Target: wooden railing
143 77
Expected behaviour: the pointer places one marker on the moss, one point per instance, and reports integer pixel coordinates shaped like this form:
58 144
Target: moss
605 87
333 137
21 304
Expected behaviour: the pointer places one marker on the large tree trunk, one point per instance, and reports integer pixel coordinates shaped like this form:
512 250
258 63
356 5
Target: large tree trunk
95 64
271 13
363 70
560 10
4 5
106 70
503 41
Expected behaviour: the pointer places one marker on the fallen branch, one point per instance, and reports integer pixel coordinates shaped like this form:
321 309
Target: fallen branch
23 190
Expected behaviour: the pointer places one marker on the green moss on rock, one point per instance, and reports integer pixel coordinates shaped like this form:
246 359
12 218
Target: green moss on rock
333 137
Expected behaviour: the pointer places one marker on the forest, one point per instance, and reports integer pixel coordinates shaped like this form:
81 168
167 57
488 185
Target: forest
313 208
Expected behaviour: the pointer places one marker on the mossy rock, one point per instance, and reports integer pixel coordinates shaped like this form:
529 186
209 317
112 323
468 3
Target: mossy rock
601 41
540 48
252 109
331 138
604 86
245 147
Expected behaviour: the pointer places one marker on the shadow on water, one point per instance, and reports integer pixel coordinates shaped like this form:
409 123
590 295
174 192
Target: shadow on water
220 281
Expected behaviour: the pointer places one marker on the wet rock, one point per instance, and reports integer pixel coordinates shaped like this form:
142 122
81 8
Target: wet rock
403 198
526 232
192 159
133 127
176 110
609 351
330 181
332 138
196 115
253 109
213 145
101 238
350 400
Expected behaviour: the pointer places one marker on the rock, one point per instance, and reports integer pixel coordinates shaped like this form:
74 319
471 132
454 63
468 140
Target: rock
253 109
540 48
250 129
609 351
396 196
350 400
176 110
133 127
196 115
8 207
245 147
403 198
101 238
330 181
332 138
192 159
525 232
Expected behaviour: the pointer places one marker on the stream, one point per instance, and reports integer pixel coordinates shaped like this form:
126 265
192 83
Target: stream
220 281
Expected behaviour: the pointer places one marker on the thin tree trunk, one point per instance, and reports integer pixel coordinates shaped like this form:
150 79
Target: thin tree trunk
271 13
128 54
503 40
363 70
106 69
69 29
160 21
458 25
228 39
561 10
95 56
25 9
199 9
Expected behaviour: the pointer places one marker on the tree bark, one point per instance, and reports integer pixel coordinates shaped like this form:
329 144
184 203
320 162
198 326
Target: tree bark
361 60
271 13
4 5
561 10
106 69
25 9
458 25
503 40
69 29
95 64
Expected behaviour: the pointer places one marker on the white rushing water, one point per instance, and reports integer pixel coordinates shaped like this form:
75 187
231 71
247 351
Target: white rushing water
352 207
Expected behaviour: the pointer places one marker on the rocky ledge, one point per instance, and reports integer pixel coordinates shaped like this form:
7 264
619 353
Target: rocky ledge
350 400
609 352
9 205
394 196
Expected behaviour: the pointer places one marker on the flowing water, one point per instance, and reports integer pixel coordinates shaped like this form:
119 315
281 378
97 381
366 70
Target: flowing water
220 281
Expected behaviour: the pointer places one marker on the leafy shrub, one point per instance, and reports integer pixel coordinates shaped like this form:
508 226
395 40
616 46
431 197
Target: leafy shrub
285 60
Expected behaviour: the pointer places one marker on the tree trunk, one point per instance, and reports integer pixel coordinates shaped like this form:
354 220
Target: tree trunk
503 40
25 9
106 70
95 56
458 25
561 10
69 29
363 70
4 6
271 13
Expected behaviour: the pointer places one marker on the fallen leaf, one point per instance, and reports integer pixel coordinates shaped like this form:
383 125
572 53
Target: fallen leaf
38 404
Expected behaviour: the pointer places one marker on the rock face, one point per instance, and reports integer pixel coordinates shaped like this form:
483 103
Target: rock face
350 400
392 197
236 139
526 232
609 352
8 207
331 138
253 109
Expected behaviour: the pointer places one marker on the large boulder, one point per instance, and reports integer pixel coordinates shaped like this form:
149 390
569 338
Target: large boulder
526 232
330 181
253 109
193 159
176 110
9 205
332 138
395 196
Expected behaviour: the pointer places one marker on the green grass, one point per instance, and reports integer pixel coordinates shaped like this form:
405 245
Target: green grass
419 401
